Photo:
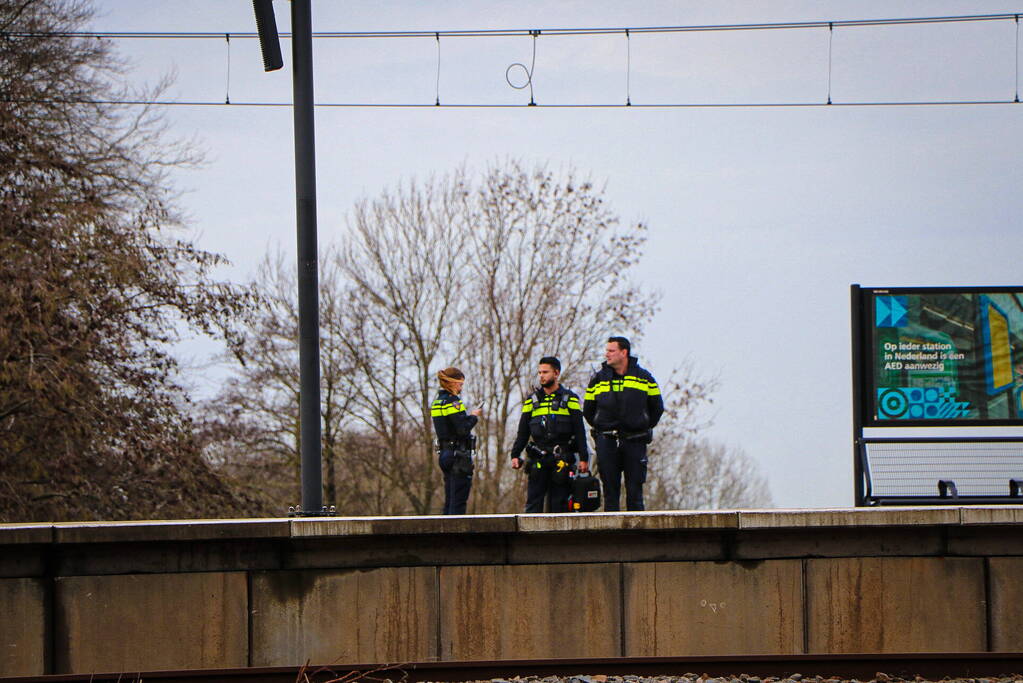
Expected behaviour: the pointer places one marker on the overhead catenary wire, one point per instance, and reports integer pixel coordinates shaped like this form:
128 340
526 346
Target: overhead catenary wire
485 105
530 72
483 33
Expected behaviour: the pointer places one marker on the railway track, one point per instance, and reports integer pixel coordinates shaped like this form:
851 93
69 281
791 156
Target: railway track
933 666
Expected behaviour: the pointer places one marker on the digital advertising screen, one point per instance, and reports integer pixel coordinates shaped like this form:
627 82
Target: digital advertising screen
943 356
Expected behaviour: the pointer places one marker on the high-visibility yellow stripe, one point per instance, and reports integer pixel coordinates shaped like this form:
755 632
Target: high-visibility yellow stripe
628 382
441 409
544 410
543 406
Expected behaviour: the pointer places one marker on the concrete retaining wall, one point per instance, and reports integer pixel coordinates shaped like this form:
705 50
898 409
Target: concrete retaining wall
100 597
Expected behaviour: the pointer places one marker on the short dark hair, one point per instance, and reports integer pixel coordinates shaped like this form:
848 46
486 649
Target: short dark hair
623 343
551 361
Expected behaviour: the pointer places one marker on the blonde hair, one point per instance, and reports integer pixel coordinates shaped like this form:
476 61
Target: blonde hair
448 377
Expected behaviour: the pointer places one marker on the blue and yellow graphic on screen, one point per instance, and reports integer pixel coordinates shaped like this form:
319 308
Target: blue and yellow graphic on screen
946 355
997 347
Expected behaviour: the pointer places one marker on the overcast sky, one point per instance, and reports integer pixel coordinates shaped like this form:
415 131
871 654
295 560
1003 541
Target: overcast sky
760 218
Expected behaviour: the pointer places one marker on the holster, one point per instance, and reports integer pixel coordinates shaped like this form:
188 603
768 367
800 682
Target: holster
561 467
536 466
462 465
540 462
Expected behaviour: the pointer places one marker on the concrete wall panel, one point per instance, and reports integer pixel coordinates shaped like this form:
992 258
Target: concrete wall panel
344 617
394 551
986 540
153 531
92 597
23 634
998 514
702 608
530 611
660 520
1006 576
240 555
770 543
151 622
625 546
817 518
439 525
896 604
21 561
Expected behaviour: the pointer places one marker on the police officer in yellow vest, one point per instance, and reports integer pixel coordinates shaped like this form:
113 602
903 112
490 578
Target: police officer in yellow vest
623 405
455 442
551 432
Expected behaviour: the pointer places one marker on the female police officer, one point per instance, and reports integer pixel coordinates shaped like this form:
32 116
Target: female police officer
453 428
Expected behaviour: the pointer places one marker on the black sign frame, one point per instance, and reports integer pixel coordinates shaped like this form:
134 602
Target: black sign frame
864 392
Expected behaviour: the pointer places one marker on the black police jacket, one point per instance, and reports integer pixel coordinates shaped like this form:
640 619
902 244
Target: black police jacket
451 423
550 420
629 403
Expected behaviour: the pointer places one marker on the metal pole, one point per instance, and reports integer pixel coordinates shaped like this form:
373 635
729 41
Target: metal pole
308 287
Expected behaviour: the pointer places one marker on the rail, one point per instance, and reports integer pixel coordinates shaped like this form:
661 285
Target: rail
864 667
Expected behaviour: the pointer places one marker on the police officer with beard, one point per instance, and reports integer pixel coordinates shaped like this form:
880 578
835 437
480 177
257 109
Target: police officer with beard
623 405
551 432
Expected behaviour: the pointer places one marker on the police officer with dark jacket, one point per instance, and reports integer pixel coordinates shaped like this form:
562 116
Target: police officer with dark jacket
453 427
551 432
623 404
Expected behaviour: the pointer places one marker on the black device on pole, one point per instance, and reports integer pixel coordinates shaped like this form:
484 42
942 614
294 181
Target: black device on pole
308 285
269 39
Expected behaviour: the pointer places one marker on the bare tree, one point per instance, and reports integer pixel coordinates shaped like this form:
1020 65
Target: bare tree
550 276
700 475
93 422
484 272
488 273
252 425
404 256
688 472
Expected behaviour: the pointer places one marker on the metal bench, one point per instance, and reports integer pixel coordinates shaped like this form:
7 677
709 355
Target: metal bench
943 471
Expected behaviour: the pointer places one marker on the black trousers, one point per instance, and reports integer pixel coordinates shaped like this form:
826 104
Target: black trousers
542 488
456 486
616 457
